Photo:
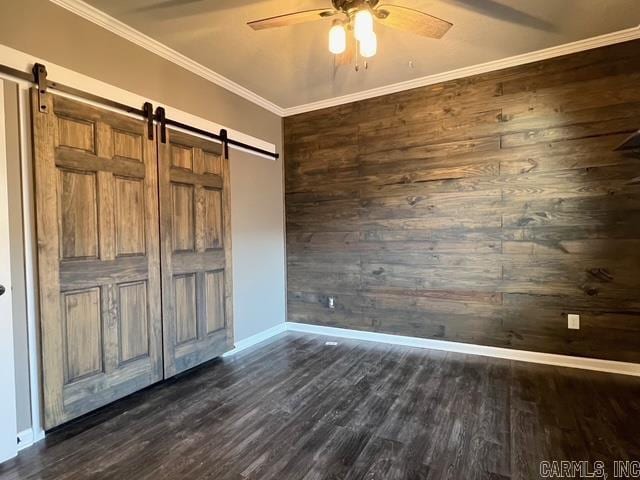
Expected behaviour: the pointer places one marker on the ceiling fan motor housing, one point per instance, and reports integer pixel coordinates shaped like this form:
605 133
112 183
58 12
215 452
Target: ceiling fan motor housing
347 6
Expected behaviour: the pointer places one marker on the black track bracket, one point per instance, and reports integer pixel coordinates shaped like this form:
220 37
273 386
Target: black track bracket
147 108
40 79
224 138
161 118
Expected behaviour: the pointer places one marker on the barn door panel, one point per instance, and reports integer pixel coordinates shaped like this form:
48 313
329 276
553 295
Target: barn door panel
98 255
196 251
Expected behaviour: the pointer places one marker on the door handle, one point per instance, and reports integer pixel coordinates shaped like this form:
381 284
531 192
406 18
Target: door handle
2 290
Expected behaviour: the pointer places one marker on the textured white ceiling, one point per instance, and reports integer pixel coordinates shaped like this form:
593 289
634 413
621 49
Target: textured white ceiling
291 66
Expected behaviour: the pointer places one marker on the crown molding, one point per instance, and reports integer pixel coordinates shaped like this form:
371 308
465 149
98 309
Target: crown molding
123 30
545 54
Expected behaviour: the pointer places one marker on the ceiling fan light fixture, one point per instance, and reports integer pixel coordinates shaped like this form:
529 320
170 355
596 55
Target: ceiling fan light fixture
363 24
337 38
356 17
369 45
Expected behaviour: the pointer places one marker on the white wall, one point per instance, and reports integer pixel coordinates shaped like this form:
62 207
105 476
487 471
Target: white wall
257 220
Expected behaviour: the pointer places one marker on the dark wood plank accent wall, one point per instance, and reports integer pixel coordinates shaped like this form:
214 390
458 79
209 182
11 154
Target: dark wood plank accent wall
480 210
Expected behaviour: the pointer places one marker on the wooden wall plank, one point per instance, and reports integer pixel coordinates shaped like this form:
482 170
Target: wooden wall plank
479 210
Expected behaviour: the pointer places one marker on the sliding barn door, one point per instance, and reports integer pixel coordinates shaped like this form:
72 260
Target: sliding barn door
196 251
98 256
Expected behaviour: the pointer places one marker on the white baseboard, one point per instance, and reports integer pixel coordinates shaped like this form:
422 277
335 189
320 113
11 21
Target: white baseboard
25 439
38 435
257 338
608 366
28 437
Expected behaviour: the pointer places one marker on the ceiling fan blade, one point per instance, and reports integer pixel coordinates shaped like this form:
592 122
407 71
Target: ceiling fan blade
411 20
291 19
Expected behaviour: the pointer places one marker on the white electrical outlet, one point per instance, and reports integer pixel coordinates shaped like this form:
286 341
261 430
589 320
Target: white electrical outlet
331 302
574 321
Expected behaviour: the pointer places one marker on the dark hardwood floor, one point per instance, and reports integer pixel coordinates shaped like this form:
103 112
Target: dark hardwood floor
296 408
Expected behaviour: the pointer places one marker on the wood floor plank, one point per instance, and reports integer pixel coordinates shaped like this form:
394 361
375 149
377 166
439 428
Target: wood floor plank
297 408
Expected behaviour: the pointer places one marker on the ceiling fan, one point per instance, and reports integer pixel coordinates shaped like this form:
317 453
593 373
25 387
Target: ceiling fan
358 16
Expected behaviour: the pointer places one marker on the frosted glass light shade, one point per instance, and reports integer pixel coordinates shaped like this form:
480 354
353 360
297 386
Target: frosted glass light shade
337 39
369 45
363 24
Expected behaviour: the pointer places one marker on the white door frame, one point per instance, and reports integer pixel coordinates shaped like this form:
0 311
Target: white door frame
36 432
8 428
30 264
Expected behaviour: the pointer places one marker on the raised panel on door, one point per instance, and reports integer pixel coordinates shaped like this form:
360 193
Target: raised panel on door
134 321
82 333
185 309
196 251
98 255
129 223
78 203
